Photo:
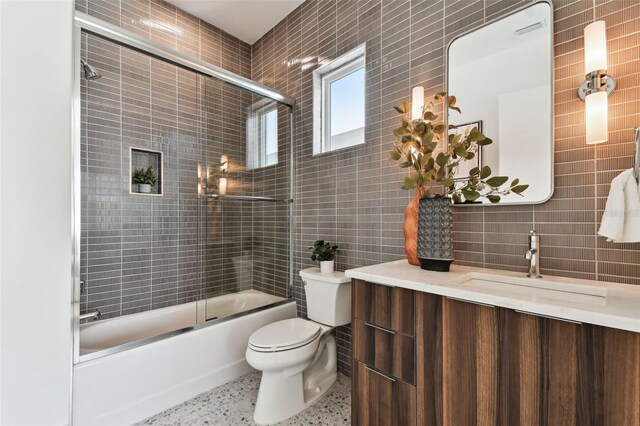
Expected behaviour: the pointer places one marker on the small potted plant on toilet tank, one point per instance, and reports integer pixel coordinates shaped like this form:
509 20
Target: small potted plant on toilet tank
324 253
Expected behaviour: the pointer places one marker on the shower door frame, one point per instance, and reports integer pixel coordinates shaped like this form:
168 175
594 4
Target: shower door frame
128 39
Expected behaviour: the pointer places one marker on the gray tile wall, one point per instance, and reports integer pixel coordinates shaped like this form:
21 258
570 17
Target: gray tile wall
353 196
141 252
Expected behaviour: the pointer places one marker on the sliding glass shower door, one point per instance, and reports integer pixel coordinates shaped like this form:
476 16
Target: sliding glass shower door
185 195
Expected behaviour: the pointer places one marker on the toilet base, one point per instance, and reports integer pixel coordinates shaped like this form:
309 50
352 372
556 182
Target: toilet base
283 395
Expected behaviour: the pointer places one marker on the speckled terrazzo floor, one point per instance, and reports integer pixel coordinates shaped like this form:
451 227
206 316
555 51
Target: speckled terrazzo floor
232 404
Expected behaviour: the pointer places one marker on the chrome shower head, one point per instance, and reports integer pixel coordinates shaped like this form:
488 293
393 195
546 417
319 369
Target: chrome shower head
90 72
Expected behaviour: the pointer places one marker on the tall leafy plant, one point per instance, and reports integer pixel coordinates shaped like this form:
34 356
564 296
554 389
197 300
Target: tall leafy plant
433 167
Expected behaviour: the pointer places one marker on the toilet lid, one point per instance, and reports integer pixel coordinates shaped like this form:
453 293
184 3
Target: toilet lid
286 334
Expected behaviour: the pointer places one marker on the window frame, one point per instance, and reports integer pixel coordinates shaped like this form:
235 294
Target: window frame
256 134
323 77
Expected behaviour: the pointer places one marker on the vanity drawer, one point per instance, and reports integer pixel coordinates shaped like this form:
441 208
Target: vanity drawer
385 350
391 308
380 400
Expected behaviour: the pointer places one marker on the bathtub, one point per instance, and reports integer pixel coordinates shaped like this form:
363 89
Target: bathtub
135 366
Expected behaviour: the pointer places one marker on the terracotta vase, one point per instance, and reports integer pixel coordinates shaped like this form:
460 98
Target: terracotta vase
410 229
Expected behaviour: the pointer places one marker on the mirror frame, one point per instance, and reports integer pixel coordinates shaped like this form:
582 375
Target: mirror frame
552 88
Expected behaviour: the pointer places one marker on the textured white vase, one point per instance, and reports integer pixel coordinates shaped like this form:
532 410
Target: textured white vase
144 188
326 267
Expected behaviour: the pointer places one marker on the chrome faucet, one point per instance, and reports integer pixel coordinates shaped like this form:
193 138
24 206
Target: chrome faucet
533 255
96 315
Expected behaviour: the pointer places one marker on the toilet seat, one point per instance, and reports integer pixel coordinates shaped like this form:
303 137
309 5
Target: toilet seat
284 335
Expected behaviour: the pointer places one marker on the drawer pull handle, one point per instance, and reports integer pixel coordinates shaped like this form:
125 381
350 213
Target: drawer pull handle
548 317
377 327
470 301
380 374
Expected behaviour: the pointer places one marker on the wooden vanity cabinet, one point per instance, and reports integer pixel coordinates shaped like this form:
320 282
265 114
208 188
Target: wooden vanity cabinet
504 367
566 373
384 355
379 399
474 368
430 360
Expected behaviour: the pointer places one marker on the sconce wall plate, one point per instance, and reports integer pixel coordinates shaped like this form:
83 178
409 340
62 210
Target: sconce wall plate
597 81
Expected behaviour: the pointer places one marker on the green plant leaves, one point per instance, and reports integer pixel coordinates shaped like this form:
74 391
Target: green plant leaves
519 189
497 181
408 183
470 195
442 159
460 151
439 128
485 141
144 176
448 182
323 251
430 116
418 141
400 132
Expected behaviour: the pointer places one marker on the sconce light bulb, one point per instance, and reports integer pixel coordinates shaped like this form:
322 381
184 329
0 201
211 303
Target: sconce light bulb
595 47
596 118
222 186
224 163
417 102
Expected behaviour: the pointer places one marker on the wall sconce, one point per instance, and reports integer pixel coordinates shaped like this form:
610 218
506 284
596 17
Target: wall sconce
417 102
598 85
222 186
224 163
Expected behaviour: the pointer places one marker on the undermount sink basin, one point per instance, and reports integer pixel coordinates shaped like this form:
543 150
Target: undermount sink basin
552 288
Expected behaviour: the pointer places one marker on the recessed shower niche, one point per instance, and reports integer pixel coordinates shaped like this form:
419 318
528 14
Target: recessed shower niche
145 172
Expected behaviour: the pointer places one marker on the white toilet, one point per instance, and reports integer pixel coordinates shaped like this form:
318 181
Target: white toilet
297 357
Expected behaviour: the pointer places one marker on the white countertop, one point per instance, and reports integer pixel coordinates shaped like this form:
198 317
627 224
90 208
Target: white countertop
620 308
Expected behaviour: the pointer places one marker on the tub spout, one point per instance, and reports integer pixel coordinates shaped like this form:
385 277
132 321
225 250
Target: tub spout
96 315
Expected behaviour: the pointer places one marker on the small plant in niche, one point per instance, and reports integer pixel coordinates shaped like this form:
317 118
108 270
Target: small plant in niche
325 253
144 179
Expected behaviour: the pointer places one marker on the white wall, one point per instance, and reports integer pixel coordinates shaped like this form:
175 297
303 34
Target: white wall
35 211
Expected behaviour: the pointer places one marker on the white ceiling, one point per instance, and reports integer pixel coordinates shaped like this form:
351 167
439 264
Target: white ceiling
246 19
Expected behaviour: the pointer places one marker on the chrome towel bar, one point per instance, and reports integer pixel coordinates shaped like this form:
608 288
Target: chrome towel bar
248 198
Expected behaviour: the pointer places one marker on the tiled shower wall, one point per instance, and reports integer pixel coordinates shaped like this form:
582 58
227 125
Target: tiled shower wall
353 196
142 252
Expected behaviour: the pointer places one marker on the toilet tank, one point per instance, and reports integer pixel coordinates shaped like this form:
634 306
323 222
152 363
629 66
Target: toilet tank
328 296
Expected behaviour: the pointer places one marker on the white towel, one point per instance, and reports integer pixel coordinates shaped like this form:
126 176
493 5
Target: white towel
621 219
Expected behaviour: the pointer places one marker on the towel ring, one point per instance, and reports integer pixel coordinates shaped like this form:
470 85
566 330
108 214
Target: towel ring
636 158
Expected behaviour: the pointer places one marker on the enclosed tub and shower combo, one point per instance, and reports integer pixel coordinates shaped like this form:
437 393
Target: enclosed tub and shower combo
172 274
